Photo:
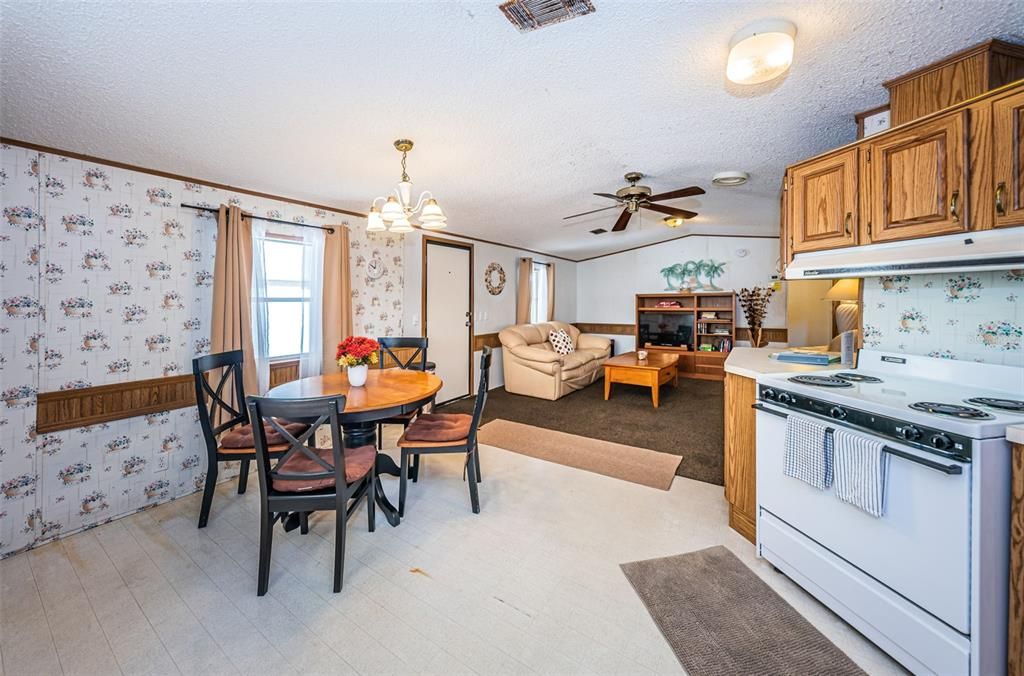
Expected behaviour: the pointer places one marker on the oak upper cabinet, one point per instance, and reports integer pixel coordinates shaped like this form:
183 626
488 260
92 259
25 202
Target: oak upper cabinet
1008 160
822 198
917 180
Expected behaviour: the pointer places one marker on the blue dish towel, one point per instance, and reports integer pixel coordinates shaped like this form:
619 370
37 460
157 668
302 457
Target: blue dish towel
808 453
861 467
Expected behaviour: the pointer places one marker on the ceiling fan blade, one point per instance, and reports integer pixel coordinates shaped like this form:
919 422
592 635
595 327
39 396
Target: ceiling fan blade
676 194
609 196
623 221
671 211
614 206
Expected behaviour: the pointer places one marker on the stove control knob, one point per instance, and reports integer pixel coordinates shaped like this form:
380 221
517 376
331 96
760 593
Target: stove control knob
910 433
768 393
837 413
786 398
941 442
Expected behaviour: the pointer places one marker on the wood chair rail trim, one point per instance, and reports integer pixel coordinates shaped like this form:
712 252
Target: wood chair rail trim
69 409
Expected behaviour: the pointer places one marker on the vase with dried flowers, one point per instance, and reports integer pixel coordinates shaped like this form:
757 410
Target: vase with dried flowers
356 354
755 306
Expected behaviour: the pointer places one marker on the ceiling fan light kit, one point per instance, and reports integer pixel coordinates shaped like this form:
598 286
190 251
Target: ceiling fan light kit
672 221
730 178
761 51
398 210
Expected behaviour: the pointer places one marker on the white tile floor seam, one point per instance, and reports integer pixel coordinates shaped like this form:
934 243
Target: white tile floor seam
530 585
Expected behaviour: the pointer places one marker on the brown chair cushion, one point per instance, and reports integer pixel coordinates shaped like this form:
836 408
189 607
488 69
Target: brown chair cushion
358 462
439 427
242 437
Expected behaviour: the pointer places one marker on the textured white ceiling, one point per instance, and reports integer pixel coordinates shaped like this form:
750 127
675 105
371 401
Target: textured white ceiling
513 131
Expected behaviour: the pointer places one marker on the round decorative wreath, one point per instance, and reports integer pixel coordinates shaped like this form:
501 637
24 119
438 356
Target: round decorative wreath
494 288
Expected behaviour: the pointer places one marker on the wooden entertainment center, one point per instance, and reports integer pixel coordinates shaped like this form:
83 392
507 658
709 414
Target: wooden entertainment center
688 321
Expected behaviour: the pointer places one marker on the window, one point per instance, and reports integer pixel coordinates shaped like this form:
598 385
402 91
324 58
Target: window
285 294
539 293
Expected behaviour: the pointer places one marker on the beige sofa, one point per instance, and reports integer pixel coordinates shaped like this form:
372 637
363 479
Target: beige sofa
533 368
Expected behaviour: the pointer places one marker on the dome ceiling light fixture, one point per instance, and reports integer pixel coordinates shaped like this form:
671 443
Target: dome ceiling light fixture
730 178
397 212
761 51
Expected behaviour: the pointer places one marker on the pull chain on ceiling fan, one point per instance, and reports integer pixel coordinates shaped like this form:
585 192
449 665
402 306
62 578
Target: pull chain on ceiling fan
635 197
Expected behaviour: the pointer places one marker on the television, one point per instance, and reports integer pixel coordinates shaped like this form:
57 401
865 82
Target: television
666 329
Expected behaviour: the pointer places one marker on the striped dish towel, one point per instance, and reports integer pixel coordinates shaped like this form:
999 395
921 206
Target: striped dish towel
808 452
861 467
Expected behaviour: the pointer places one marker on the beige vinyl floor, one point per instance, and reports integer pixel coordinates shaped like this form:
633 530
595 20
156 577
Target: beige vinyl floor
530 585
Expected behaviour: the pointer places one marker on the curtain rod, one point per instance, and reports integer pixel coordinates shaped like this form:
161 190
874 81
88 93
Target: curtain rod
536 262
330 231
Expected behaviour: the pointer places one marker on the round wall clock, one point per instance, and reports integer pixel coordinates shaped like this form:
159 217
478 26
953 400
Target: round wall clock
375 267
494 279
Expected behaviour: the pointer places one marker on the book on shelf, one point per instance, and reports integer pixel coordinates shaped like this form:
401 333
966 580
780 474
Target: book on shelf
806 357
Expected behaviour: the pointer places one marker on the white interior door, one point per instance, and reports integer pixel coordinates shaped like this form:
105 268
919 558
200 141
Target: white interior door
448 312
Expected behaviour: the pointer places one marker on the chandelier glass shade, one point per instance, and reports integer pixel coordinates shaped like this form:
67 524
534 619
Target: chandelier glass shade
395 212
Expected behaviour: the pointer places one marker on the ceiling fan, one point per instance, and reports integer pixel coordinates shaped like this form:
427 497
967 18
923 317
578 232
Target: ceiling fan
635 197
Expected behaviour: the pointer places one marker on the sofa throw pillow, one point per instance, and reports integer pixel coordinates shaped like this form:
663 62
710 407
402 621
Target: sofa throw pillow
561 342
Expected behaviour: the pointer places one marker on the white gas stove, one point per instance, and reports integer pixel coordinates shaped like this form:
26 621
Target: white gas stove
927 581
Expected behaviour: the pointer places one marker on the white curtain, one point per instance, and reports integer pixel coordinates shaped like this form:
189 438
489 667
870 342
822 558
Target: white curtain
311 358
260 323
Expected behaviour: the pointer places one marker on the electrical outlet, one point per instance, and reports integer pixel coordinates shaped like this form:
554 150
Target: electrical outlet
163 461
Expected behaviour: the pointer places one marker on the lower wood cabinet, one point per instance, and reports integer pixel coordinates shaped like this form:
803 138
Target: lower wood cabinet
1015 649
741 454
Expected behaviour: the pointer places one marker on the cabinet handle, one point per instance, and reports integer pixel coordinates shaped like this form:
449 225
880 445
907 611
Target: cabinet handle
954 203
1000 207
846 222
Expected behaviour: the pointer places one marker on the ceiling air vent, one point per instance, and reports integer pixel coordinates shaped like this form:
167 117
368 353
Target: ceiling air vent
598 231
529 15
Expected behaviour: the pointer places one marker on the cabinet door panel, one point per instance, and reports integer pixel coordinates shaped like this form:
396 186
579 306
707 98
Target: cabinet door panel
1008 158
918 185
823 203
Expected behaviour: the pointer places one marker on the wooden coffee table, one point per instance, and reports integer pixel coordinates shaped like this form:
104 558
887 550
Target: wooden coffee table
653 372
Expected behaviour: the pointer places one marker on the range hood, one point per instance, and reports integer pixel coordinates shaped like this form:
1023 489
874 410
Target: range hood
983 250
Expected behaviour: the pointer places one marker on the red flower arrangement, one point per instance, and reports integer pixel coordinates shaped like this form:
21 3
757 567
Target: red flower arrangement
357 351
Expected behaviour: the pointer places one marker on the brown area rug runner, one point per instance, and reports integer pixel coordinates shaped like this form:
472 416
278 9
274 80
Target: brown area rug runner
639 465
688 423
721 619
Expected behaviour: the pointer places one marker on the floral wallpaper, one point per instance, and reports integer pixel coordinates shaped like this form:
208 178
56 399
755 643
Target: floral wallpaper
105 279
974 316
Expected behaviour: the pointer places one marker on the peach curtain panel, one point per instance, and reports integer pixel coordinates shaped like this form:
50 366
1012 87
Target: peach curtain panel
231 325
551 292
337 302
523 287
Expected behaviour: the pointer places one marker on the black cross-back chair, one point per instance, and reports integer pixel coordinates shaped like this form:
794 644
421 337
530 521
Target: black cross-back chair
220 412
417 361
456 425
306 479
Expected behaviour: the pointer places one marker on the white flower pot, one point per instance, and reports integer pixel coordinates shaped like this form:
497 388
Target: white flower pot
357 375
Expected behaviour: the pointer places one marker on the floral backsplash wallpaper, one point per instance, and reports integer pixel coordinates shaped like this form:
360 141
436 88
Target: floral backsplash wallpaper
973 316
105 279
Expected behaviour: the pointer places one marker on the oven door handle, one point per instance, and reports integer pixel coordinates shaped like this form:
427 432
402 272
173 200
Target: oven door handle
930 464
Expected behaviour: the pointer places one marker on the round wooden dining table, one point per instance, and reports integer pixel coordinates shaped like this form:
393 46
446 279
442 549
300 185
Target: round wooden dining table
387 393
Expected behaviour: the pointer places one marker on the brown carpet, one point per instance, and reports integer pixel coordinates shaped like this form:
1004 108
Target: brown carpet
721 619
688 423
639 465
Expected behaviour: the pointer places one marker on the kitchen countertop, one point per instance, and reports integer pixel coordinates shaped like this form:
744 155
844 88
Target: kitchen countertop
1015 433
752 362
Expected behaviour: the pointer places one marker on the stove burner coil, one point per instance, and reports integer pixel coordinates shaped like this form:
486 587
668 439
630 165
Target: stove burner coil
951 410
1011 405
820 381
858 378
